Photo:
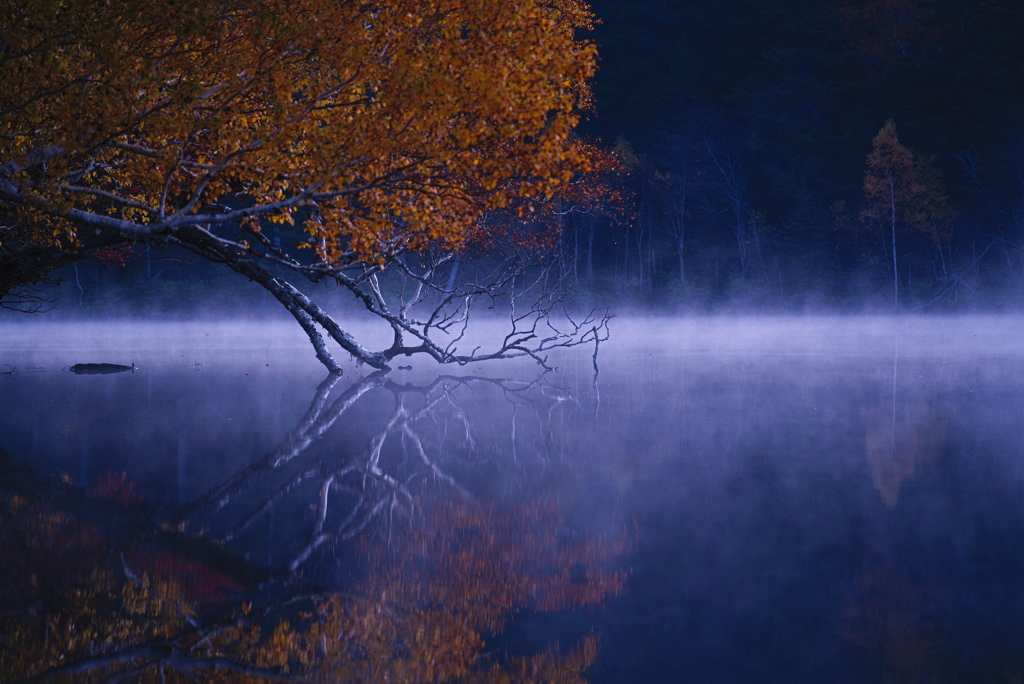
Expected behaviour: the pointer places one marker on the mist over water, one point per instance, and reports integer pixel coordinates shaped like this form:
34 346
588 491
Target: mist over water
818 499
807 498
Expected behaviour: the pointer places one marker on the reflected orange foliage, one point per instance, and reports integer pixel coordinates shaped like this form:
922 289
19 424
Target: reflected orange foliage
893 620
200 583
75 600
902 444
431 599
115 487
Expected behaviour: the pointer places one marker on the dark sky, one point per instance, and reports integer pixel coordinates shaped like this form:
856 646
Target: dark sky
949 69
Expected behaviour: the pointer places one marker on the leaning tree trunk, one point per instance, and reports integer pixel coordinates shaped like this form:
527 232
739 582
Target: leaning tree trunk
309 315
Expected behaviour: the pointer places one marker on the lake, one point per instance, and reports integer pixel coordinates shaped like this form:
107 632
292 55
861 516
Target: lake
750 499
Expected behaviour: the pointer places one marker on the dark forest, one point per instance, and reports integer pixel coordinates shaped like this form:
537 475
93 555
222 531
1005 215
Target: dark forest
748 125
744 132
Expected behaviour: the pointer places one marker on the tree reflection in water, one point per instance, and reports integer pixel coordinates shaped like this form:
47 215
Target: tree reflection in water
906 441
895 622
99 585
905 434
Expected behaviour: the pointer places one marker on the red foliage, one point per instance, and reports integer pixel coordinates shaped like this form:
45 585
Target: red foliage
200 583
533 224
115 256
115 487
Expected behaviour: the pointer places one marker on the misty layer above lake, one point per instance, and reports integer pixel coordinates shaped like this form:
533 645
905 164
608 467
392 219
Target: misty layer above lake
812 498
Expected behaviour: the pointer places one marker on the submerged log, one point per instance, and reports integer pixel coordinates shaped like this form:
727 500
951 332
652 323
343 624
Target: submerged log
100 368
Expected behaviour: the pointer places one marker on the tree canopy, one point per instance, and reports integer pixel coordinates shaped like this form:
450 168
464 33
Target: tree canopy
377 128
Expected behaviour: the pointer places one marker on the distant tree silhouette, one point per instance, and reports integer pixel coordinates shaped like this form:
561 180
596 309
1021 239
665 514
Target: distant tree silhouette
904 192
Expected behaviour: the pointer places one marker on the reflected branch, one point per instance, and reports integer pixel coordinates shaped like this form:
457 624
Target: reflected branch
349 495
173 607
316 421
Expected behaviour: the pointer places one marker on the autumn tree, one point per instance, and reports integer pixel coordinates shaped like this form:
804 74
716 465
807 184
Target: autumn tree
903 192
369 132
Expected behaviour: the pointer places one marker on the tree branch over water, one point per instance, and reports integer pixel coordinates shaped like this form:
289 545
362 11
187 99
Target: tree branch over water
342 149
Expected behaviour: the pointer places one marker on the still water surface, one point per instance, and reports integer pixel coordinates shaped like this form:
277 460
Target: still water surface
728 500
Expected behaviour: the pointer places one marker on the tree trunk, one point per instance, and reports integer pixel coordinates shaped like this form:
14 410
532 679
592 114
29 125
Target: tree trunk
681 232
895 274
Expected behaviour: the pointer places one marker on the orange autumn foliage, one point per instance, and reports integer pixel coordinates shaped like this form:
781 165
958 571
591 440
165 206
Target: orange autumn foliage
437 593
76 601
536 224
433 596
905 189
380 127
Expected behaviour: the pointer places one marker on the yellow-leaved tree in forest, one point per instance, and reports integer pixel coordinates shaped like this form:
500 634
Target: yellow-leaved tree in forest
903 193
376 130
